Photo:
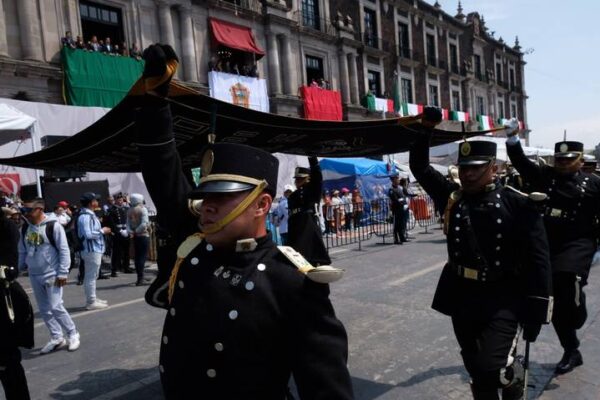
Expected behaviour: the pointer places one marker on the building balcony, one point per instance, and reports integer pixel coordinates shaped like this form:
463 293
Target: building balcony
481 76
455 69
375 42
236 5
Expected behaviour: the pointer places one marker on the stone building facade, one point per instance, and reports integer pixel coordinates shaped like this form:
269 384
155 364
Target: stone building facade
452 61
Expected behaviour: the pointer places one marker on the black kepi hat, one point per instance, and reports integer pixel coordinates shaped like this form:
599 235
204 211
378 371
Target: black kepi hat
301 172
476 152
231 167
568 149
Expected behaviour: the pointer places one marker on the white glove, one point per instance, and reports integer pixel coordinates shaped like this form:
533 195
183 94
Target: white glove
512 128
124 233
405 207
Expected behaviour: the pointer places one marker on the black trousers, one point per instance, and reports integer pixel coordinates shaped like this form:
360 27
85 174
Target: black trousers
399 226
570 311
119 259
487 349
12 374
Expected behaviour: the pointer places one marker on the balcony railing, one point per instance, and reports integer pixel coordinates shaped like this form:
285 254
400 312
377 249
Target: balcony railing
375 42
454 68
481 76
404 52
250 5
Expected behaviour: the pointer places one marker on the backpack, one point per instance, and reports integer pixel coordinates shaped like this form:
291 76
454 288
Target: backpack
72 232
49 233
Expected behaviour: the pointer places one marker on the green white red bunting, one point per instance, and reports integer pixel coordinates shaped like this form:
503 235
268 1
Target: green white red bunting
409 109
503 121
459 116
485 122
444 114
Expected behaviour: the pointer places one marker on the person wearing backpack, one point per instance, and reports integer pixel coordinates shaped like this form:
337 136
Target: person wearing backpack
44 251
91 234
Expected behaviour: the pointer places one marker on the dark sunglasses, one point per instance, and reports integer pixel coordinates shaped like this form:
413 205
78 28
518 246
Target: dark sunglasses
26 210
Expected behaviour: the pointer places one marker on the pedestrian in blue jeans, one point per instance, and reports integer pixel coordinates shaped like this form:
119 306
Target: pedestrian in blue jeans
138 228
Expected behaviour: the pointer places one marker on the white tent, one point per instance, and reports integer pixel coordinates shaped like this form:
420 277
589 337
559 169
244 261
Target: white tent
18 126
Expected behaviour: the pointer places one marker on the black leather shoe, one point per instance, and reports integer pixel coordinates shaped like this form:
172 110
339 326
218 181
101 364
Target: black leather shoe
129 271
569 360
143 282
113 275
103 276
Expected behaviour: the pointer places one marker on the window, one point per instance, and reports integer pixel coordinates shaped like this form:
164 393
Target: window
407 94
454 58
431 53
477 65
310 13
480 106
371 28
404 40
455 100
513 111
101 21
374 79
499 73
500 109
512 79
314 69
433 96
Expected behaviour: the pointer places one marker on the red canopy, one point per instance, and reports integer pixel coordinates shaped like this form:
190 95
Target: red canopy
321 104
234 36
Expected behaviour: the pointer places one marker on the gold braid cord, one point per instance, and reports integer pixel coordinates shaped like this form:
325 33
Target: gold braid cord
217 226
145 85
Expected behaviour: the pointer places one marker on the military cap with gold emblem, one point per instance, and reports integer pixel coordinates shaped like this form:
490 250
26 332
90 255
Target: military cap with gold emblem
476 152
568 149
231 167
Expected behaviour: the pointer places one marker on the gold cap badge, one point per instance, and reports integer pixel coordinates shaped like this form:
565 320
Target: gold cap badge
465 149
564 148
207 162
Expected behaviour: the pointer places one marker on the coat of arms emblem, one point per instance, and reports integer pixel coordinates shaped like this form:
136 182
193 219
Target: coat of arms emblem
240 95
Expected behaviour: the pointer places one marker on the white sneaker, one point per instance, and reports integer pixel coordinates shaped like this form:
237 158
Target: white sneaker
74 342
101 301
96 305
52 345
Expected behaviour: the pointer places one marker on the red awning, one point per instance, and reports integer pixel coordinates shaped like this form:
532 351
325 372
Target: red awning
234 36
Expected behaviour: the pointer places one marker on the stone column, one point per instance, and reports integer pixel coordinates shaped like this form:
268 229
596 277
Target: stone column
29 30
354 95
344 84
290 82
167 35
274 67
188 52
3 44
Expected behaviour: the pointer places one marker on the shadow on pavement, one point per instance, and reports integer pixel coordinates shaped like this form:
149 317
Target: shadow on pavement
368 390
112 383
434 373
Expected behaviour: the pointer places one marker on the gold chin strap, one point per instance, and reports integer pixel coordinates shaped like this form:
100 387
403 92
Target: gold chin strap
145 85
191 242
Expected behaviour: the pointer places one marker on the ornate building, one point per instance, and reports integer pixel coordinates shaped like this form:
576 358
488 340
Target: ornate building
357 46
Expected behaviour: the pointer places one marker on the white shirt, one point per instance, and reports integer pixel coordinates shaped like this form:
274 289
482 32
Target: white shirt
282 214
62 219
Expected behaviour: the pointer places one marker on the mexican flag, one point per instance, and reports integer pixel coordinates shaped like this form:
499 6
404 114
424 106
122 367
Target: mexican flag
409 109
459 116
385 105
522 125
485 122
502 121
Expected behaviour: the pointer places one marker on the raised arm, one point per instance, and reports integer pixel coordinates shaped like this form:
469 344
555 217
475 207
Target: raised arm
529 170
316 179
435 184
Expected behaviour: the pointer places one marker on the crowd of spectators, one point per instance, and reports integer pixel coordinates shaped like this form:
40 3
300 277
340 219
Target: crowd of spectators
226 61
320 83
102 46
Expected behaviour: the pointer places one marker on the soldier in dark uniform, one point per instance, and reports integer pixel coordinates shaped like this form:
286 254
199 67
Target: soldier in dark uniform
241 316
498 271
570 211
304 232
16 315
117 222
399 205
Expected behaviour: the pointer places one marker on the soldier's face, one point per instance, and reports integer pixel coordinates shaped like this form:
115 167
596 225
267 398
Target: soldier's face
250 224
567 165
474 177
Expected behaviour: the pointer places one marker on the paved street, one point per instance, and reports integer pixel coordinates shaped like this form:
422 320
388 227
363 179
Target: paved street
399 347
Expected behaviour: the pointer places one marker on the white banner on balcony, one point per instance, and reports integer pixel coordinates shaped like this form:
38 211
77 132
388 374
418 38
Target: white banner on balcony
239 90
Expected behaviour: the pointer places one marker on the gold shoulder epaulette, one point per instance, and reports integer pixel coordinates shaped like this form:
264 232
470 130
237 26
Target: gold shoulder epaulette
320 274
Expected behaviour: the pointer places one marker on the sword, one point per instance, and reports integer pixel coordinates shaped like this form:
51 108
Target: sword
526 368
7 299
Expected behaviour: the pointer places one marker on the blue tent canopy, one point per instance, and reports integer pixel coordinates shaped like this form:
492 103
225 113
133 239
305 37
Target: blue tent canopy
370 177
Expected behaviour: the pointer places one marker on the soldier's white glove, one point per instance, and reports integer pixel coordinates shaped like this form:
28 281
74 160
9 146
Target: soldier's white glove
512 130
405 207
124 233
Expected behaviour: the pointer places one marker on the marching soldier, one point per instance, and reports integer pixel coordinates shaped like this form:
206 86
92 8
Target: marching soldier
498 272
570 211
304 231
241 317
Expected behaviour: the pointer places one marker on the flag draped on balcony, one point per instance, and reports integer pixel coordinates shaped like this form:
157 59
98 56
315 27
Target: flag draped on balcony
485 122
321 104
409 109
459 116
376 104
445 113
239 90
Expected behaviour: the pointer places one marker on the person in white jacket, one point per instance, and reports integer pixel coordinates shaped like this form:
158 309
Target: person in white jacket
44 252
